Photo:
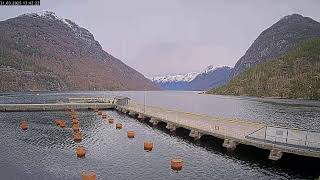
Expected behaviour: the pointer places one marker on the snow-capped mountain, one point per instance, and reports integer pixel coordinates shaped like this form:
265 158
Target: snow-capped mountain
208 69
43 52
80 32
210 77
175 78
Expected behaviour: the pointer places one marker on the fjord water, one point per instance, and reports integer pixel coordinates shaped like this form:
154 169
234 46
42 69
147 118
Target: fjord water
48 152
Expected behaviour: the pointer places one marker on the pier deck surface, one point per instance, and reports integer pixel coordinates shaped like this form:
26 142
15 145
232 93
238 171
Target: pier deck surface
296 141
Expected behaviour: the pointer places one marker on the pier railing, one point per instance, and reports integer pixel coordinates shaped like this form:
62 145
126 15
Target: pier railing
288 137
239 129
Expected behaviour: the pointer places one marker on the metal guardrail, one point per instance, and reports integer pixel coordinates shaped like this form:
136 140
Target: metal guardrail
305 139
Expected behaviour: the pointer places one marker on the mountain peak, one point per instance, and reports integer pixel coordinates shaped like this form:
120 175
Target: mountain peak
60 55
50 16
278 39
175 78
42 14
293 16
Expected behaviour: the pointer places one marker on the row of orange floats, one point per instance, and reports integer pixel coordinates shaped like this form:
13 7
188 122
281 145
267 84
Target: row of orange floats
80 150
176 163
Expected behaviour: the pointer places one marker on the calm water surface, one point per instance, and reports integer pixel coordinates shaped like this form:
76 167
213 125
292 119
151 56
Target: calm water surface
47 152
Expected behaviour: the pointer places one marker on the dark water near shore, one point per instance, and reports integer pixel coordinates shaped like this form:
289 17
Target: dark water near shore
47 152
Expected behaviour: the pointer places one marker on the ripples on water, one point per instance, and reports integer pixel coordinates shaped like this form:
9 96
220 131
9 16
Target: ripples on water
48 152
303 114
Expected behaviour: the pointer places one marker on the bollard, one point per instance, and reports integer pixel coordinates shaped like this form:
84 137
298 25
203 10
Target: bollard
148 146
88 175
131 134
81 151
118 126
176 164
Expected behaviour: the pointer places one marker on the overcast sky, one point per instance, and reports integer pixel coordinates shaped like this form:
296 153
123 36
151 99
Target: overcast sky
160 37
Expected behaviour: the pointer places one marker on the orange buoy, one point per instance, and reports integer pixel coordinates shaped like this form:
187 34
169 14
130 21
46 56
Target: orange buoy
111 120
99 112
74 117
104 116
77 136
81 151
176 164
57 122
62 124
88 175
131 134
75 121
24 122
148 146
118 126
24 125
76 127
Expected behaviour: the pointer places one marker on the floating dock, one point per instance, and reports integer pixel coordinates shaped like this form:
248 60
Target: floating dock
278 140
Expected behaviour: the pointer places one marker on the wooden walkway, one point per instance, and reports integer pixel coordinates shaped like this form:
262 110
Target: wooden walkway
276 139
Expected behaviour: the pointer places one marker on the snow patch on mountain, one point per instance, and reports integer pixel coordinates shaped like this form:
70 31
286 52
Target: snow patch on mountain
175 78
188 77
48 15
208 69
82 33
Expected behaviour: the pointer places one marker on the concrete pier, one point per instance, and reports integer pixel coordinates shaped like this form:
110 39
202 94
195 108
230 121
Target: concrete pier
171 126
278 140
154 121
275 154
195 134
141 116
53 106
230 144
124 111
132 113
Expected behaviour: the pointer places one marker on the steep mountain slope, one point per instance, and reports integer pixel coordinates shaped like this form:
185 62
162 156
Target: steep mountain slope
175 82
277 40
40 51
294 75
210 78
204 80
